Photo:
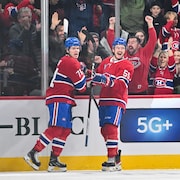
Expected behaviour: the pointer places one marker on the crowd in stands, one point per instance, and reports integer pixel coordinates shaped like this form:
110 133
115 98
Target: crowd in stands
151 29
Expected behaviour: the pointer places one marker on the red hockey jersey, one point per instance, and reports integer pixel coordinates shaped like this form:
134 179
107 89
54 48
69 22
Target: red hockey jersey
121 71
161 79
67 77
176 6
168 31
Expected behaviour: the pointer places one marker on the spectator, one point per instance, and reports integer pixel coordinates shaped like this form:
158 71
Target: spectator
142 36
162 71
108 10
56 42
177 75
166 6
109 33
11 10
140 58
24 38
92 51
158 18
80 14
176 8
56 6
60 99
170 30
88 50
113 74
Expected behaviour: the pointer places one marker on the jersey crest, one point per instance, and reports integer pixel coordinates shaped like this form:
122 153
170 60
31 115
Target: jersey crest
135 61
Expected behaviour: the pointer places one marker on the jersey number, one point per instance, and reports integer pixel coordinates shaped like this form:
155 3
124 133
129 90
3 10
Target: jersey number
126 74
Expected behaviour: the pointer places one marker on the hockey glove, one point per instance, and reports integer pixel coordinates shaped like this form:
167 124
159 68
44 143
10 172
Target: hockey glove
103 80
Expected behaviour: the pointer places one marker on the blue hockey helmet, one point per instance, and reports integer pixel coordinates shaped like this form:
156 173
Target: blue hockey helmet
72 41
119 41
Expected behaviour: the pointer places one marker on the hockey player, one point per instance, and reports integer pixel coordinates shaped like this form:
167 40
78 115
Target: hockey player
68 77
113 74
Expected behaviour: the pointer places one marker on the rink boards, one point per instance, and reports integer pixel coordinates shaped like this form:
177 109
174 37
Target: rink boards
149 134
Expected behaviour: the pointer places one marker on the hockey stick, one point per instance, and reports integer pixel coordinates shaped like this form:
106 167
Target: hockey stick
89 37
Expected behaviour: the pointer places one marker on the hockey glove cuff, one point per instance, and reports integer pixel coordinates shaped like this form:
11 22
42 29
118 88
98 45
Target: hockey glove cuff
103 80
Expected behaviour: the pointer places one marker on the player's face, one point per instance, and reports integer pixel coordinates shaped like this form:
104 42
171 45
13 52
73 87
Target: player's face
119 51
74 51
132 46
163 60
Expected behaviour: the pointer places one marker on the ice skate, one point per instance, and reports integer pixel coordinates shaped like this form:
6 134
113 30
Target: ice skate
32 159
118 161
113 166
108 166
55 165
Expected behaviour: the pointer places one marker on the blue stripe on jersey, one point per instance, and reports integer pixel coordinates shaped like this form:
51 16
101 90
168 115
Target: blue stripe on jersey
165 33
124 79
169 83
60 96
151 80
80 84
152 68
60 77
165 46
113 100
176 8
172 68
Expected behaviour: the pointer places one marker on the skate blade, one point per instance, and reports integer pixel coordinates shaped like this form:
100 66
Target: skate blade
28 161
111 169
118 166
56 169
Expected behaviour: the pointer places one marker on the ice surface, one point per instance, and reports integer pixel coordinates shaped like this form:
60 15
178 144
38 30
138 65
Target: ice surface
93 175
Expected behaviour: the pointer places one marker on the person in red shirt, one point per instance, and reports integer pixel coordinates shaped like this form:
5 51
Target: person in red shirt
170 30
140 57
162 71
113 74
68 77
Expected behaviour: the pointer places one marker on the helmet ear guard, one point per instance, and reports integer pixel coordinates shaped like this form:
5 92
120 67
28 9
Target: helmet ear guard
119 41
72 41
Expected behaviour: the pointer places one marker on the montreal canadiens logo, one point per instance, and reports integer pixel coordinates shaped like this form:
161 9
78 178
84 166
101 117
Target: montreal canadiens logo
135 61
175 45
160 82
